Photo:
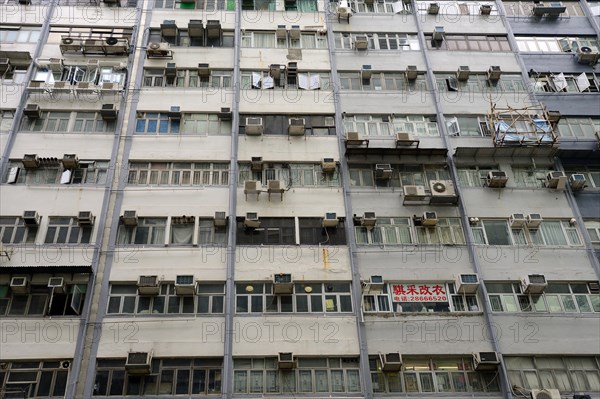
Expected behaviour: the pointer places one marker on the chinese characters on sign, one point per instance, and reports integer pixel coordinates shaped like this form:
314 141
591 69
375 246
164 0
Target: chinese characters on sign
419 293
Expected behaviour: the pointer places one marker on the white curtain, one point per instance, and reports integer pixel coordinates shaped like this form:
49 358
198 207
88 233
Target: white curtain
182 234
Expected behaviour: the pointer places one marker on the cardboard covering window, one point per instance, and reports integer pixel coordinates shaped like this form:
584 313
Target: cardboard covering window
267 82
65 178
560 82
306 82
583 82
256 79
397 7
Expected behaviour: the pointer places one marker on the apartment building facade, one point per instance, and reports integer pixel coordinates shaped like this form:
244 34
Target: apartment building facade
300 199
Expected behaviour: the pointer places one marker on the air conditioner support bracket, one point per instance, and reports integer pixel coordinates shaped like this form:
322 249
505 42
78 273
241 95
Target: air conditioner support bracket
280 192
407 143
360 142
246 192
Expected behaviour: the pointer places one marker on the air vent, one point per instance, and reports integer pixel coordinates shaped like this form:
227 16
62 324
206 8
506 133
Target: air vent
70 161
442 188
361 42
463 73
32 111
274 186
376 282
438 33
494 73
109 112
366 71
174 112
433 9
577 181
411 72
414 191
203 70
556 179
547 394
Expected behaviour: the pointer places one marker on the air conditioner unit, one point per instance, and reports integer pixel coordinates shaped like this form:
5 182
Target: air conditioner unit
32 111
138 363
225 114
328 165
283 284
366 71
220 219
254 126
438 33
344 11
486 360
295 32
551 9
533 284
414 191
30 161
411 72
383 171
252 220
368 220
65 364
158 49
496 179
213 28
70 44
19 285
534 220
466 283
391 361
404 137
296 126
586 55
129 218
577 181
115 45
4 64
274 186
148 285
204 70
31 218
281 32
463 73
485 9
185 285
285 360
57 284
494 73
109 112
442 188
70 161
174 112
433 9
556 179
85 218
376 282
545 394
330 220
429 219
171 70
353 136
361 42
517 220
256 164
168 28
251 186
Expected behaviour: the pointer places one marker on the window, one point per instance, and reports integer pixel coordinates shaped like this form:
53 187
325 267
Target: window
314 125
6 120
578 127
312 232
550 233
544 44
455 7
272 231
387 231
467 126
172 376
592 174
40 301
572 83
299 175
385 6
14 231
18 34
34 379
479 83
268 39
66 230
593 229
402 175
373 125
448 231
183 39
330 297
182 230
474 176
205 124
566 373
301 5
262 375
209 234
88 172
433 375
156 77
178 173
529 177
125 299
524 8
378 41
262 80
207 5
68 122
469 43
557 298
256 5
149 231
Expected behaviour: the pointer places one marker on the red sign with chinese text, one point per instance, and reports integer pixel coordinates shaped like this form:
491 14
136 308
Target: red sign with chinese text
419 293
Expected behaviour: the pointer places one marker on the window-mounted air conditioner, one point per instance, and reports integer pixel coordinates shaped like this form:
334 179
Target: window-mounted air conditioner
549 394
517 220
129 218
496 179
283 284
296 126
158 49
442 188
533 284
274 186
220 219
57 284
281 32
330 220
148 285
391 361
109 111
414 191
251 220
70 161
295 32
463 73
251 187
174 112
30 161
494 73
411 72
366 71
486 360
466 283
433 8
256 164
203 70
556 179
383 171
68 43
32 111
85 218
116 45
361 42
225 114
438 33
586 55
4 64
485 9
254 126
19 285
344 11
213 28
275 70
328 165
138 363
376 282
534 220
31 218
429 219
368 220
285 360
577 181
353 136
185 285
